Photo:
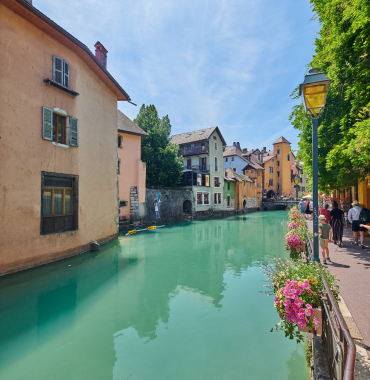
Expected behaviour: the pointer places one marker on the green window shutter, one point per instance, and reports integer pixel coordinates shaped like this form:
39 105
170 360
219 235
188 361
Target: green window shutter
57 69
73 123
66 73
47 123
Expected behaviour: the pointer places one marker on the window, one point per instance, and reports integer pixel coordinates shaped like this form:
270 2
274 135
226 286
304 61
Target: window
278 151
271 182
278 186
288 157
58 128
199 198
228 186
119 166
215 146
119 141
216 164
232 158
278 174
247 171
278 163
206 179
226 159
123 203
199 179
300 180
271 169
214 138
228 201
206 198
273 160
59 207
234 169
217 198
303 189
60 71
217 181
252 171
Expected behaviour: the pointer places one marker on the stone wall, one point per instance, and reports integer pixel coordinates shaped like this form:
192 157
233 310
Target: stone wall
251 203
171 205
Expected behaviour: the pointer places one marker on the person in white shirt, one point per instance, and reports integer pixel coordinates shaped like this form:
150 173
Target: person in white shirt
353 218
311 209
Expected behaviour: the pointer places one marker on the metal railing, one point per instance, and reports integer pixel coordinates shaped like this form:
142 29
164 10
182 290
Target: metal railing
193 151
338 343
203 167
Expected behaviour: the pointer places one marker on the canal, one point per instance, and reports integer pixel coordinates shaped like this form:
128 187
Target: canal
179 303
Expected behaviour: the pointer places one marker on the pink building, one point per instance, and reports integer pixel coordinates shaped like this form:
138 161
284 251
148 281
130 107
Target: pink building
131 170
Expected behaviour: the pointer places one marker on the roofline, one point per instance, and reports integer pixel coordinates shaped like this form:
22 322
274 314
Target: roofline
42 22
270 158
219 132
251 165
132 133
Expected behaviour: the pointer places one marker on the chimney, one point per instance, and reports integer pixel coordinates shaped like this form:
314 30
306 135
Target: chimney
234 144
245 150
264 149
101 54
238 145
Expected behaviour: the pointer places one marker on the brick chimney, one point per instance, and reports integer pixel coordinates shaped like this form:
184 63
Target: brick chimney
101 54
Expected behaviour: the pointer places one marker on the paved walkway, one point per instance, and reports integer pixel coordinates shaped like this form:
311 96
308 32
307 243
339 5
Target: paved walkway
351 265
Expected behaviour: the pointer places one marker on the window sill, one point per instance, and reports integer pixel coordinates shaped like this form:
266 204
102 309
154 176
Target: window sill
61 87
61 145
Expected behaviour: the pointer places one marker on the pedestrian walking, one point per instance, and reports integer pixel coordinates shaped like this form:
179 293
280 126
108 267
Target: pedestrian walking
353 218
302 205
156 209
325 235
336 221
308 211
325 211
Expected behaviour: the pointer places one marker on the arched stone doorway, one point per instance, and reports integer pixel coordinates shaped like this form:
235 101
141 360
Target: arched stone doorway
270 193
187 207
244 203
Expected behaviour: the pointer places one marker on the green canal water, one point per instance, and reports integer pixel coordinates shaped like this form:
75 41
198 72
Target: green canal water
179 303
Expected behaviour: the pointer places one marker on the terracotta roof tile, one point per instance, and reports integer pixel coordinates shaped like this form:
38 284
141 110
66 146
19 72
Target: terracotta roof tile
281 140
196 136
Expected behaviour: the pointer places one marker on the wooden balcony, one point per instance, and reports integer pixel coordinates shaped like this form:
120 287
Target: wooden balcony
193 151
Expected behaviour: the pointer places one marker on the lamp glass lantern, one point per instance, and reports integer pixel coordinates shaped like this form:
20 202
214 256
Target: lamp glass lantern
314 91
296 179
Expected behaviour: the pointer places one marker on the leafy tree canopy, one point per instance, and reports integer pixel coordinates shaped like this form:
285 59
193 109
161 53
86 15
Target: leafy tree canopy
343 52
163 167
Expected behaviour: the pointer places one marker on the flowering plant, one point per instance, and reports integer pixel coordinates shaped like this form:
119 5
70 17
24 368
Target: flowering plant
298 289
294 225
294 302
294 241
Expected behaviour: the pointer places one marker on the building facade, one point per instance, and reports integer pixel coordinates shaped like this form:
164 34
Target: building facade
131 170
203 166
58 156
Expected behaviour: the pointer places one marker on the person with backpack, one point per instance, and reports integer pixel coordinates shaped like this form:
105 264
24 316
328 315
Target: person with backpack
353 218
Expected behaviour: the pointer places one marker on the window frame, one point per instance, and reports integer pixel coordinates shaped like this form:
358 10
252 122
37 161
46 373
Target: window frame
271 170
271 182
219 199
216 145
277 151
278 174
216 164
74 202
288 157
278 163
56 118
226 159
214 181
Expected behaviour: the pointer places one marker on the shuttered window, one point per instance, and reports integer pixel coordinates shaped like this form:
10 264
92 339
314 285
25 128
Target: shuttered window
60 71
58 128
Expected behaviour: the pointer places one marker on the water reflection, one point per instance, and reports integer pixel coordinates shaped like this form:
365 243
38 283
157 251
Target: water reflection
131 299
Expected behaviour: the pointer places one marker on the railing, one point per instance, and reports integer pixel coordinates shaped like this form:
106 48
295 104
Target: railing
338 343
193 151
203 167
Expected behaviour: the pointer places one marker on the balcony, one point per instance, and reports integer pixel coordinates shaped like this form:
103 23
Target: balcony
201 168
193 151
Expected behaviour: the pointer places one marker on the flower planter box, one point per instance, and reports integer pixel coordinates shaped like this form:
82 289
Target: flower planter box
318 314
304 247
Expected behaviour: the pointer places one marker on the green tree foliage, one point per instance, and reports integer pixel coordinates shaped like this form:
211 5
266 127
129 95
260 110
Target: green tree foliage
343 52
163 167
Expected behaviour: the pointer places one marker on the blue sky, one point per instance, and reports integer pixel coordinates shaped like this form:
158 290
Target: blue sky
225 63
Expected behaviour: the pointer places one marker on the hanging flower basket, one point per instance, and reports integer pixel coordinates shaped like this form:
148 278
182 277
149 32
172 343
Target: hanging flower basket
317 315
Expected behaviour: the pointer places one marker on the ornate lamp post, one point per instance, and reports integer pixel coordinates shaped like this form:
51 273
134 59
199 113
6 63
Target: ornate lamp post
296 180
314 90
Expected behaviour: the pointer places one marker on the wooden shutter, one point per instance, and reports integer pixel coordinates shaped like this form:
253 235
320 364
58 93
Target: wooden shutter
66 73
73 125
47 123
57 69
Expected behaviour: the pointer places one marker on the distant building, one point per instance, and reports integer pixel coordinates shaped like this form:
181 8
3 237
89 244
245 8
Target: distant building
203 166
131 170
58 142
243 189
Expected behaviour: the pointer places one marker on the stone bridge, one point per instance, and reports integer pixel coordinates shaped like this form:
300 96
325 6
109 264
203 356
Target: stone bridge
278 205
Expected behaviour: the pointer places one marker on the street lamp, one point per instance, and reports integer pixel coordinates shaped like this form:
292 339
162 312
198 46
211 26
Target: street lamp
314 91
296 180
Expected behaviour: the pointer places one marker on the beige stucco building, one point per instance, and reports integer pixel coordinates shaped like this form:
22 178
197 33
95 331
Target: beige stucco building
58 146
